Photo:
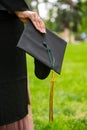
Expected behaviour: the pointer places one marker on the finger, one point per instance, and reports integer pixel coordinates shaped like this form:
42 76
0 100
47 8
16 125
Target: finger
33 16
36 20
39 24
42 26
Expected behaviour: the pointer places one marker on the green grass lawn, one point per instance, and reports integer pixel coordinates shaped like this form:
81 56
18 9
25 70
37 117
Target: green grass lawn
70 93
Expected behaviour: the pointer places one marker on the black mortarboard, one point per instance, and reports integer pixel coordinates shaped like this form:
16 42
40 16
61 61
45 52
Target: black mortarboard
47 49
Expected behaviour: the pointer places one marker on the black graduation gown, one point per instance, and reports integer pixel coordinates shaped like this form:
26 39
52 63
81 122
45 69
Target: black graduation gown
13 73
17 5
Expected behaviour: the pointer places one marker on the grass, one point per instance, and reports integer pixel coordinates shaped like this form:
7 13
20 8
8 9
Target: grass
70 93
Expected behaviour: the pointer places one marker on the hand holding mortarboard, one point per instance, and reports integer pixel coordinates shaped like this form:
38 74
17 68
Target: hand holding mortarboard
27 15
47 49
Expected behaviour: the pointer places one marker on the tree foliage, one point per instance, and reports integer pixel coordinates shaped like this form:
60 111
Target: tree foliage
83 26
69 15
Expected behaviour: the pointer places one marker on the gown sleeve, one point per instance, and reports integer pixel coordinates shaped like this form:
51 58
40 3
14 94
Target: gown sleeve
14 5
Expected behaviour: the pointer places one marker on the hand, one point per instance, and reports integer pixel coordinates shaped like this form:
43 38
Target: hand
24 16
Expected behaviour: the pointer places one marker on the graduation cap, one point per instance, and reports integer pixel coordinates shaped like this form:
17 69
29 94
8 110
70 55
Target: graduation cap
46 48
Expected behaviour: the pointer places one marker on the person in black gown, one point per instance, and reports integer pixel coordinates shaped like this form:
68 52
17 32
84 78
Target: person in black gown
13 72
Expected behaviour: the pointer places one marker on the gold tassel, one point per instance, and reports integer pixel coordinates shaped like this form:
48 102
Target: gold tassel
51 97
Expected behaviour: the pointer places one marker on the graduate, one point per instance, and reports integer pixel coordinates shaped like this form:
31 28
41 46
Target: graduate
13 72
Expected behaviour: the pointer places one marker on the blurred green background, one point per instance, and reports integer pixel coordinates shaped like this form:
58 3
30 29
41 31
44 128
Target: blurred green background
68 18
70 93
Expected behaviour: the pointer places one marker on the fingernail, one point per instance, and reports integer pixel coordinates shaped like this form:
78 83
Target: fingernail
44 30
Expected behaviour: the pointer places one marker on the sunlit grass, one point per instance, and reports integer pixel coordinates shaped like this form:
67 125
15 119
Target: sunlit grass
70 93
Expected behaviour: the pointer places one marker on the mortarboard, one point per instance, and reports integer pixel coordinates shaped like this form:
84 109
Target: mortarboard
46 48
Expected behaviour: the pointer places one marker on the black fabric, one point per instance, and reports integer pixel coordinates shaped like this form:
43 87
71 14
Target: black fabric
13 101
13 73
2 7
12 59
41 70
47 48
14 5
